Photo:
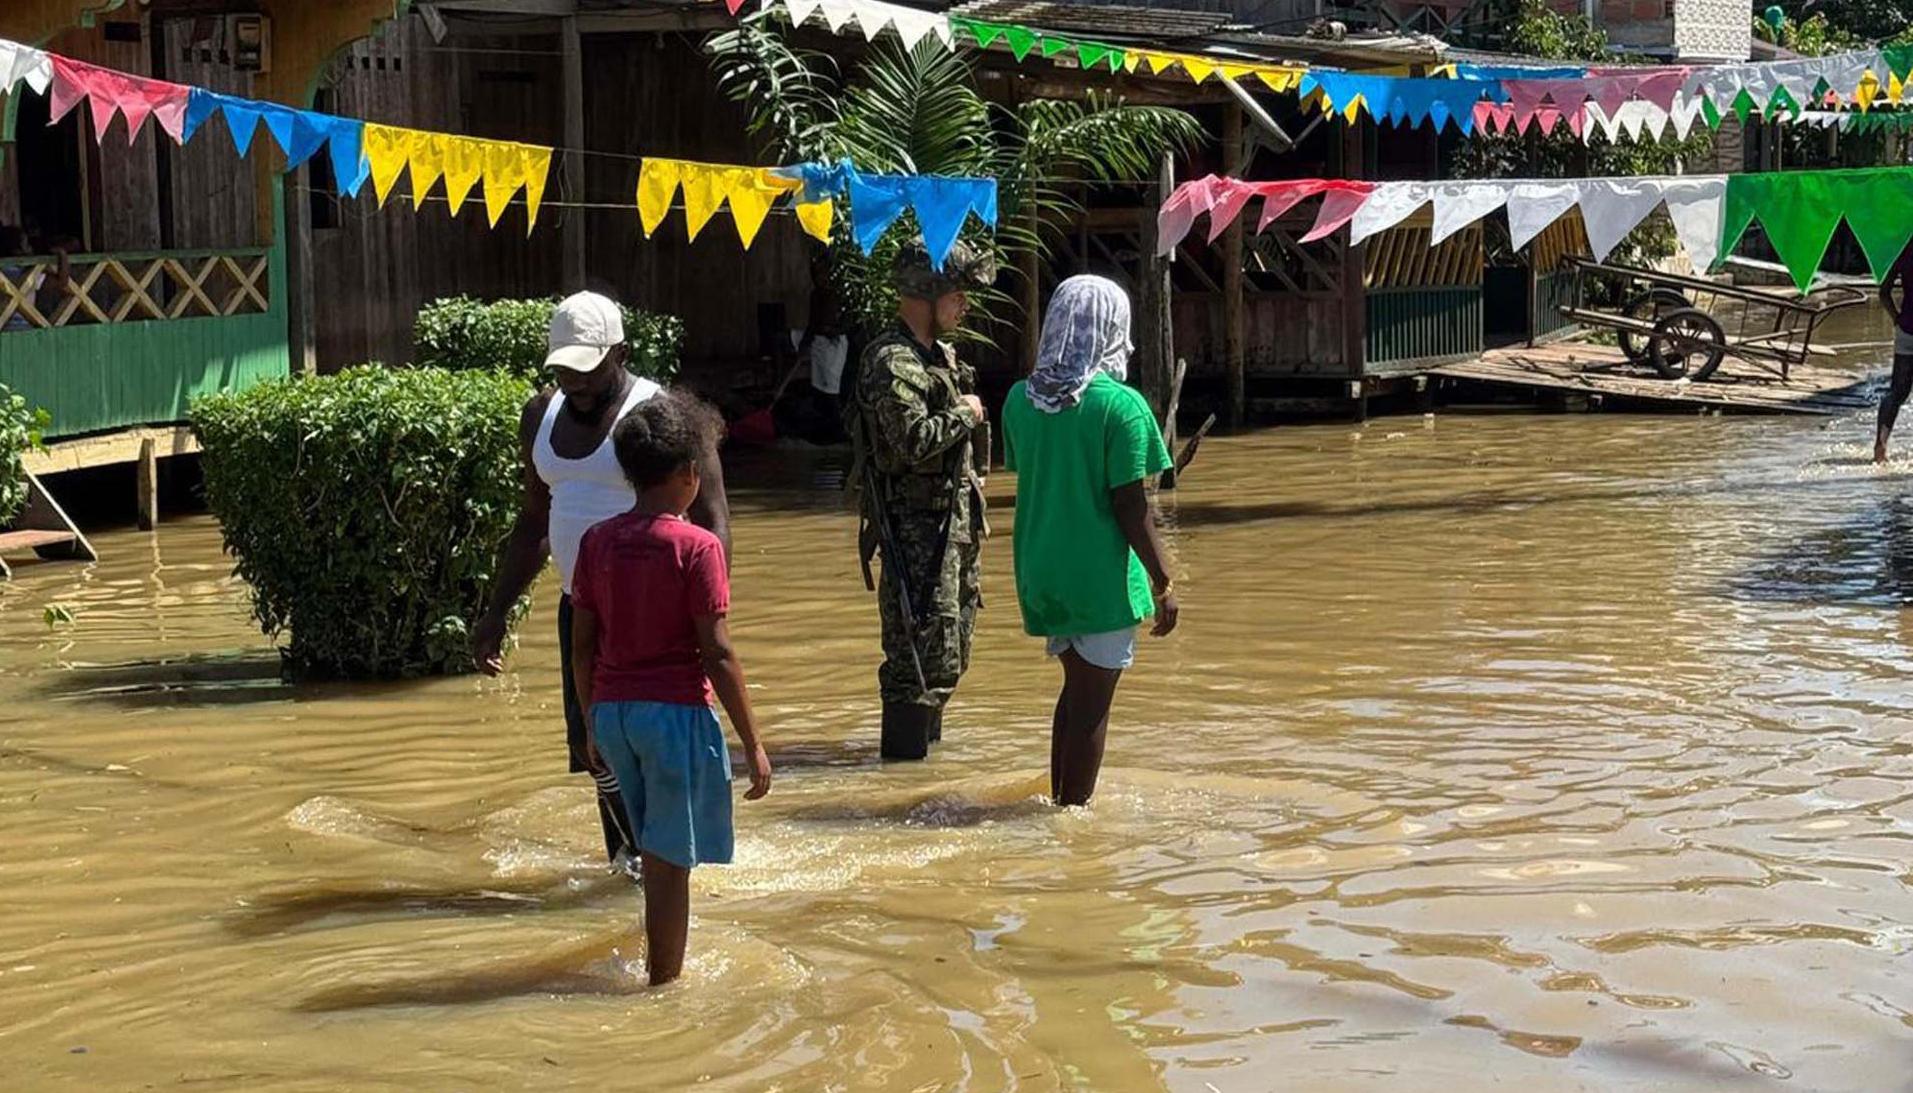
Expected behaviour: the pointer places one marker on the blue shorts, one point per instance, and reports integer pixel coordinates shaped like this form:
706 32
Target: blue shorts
675 776
1111 651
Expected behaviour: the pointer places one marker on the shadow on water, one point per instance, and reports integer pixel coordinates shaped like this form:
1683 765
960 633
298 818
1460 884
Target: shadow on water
277 912
220 680
1867 561
968 803
604 965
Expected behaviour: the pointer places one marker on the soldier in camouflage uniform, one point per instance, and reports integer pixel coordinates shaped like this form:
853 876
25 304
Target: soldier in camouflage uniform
921 434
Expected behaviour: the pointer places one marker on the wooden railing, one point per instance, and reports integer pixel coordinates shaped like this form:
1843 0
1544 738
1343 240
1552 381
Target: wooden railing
87 289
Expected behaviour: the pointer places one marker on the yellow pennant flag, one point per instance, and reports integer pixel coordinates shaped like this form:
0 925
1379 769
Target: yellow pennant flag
816 217
1868 91
463 161
1197 68
1158 62
426 155
1894 88
1232 73
703 193
750 198
386 152
657 188
1131 60
537 170
504 176
1279 79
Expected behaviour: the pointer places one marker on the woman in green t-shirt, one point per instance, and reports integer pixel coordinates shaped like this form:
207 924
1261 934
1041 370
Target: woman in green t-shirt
1090 562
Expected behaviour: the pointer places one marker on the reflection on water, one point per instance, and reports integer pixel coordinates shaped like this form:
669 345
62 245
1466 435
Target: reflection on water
1572 750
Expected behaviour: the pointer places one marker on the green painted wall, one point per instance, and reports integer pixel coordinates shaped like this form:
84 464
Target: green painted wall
116 375
1421 325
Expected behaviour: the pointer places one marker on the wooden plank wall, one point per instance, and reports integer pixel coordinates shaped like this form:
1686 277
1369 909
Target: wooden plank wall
214 196
124 179
376 268
654 95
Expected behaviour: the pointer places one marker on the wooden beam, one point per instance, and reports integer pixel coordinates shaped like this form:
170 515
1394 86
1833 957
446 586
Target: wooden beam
574 88
148 486
1354 285
112 449
1234 334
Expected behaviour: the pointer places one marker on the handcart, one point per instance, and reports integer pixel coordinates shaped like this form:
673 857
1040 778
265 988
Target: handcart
1684 327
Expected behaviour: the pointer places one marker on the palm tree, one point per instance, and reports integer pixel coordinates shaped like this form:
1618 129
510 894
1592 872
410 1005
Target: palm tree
918 111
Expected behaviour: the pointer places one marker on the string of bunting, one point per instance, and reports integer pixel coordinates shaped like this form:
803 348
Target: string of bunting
362 152
1798 209
1502 98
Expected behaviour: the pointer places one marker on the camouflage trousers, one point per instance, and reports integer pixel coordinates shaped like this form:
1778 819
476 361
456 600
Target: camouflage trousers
945 590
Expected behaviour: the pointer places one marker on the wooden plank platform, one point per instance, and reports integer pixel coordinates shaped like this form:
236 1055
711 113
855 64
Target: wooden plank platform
1604 372
19 542
109 449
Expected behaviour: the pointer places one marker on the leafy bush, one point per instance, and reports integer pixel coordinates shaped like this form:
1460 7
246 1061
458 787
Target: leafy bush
366 509
461 334
19 433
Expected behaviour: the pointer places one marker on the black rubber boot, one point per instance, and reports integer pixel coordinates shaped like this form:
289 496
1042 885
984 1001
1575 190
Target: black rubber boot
906 730
936 727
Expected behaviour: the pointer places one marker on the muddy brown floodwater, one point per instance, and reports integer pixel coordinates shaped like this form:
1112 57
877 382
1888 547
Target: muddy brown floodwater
1546 752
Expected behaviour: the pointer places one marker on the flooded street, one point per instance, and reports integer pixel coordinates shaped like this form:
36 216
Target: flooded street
1538 752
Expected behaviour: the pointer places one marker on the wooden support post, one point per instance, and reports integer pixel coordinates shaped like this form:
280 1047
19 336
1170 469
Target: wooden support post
1029 295
301 330
148 476
1155 331
572 47
1233 332
1354 271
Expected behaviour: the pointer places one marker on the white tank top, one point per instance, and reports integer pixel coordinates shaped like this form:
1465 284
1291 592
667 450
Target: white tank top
583 491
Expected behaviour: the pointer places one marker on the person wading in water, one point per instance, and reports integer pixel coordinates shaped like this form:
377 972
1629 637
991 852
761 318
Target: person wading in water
1901 277
1090 562
914 419
571 481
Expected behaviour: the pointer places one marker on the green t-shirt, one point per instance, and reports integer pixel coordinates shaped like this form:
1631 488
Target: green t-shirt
1075 573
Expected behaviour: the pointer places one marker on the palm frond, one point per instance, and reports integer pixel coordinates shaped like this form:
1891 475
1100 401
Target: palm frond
791 95
916 111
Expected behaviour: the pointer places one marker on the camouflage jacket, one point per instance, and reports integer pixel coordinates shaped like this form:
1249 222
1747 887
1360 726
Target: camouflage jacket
915 430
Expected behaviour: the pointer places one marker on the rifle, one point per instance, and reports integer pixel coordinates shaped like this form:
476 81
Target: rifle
892 563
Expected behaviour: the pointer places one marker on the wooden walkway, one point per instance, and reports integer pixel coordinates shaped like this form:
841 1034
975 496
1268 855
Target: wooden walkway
1604 375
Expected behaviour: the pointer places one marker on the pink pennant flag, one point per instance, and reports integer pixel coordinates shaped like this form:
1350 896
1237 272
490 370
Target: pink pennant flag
1578 118
733 5
1280 197
1231 195
1661 86
110 92
1178 214
1547 117
1524 98
1339 206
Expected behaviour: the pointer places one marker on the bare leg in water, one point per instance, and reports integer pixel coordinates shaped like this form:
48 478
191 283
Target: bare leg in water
667 918
1890 405
1080 728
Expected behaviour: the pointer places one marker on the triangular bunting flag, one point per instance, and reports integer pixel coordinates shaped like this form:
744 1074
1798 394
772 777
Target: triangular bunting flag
657 187
1021 40
1694 205
386 152
1339 206
1389 204
1532 206
1612 208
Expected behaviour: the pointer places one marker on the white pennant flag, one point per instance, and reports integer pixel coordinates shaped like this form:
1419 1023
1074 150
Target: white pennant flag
1459 204
22 62
838 13
1687 110
1532 206
1613 207
914 26
1695 203
1389 205
801 10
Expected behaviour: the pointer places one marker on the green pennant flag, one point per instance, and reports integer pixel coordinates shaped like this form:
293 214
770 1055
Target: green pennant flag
986 34
1710 112
1799 209
1900 60
1091 54
1781 101
1021 39
1052 46
1743 105
1879 209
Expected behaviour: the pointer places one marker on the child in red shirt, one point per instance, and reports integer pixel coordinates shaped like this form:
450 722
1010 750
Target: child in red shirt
649 645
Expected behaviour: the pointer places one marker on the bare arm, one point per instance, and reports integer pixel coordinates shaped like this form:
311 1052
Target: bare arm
1136 515
727 679
712 509
584 667
523 554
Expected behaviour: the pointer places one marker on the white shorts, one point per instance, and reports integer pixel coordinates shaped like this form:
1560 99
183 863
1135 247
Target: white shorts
828 352
1902 342
1111 651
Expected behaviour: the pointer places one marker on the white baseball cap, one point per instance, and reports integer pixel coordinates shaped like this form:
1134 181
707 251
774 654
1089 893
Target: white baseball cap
583 329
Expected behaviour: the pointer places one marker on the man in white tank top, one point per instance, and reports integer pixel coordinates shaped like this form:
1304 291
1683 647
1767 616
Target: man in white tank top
572 481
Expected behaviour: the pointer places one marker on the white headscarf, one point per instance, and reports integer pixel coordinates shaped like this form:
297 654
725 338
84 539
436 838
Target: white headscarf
1085 332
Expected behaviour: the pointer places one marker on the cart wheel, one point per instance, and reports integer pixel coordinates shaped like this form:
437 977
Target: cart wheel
1687 343
1648 307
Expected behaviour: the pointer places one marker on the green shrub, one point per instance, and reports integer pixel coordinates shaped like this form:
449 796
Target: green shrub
461 333
19 433
365 509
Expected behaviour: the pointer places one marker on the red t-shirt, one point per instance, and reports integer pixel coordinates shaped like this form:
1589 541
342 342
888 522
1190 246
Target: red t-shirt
647 577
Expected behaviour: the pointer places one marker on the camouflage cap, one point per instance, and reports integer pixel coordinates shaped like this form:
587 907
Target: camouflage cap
965 267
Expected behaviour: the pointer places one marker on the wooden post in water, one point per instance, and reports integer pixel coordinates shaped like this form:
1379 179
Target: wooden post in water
574 80
148 485
1029 294
1155 322
1233 334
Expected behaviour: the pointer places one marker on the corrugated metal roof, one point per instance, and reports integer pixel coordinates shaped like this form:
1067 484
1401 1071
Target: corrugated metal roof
1119 21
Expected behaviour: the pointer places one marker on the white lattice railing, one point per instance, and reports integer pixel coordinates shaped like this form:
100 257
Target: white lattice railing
124 288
